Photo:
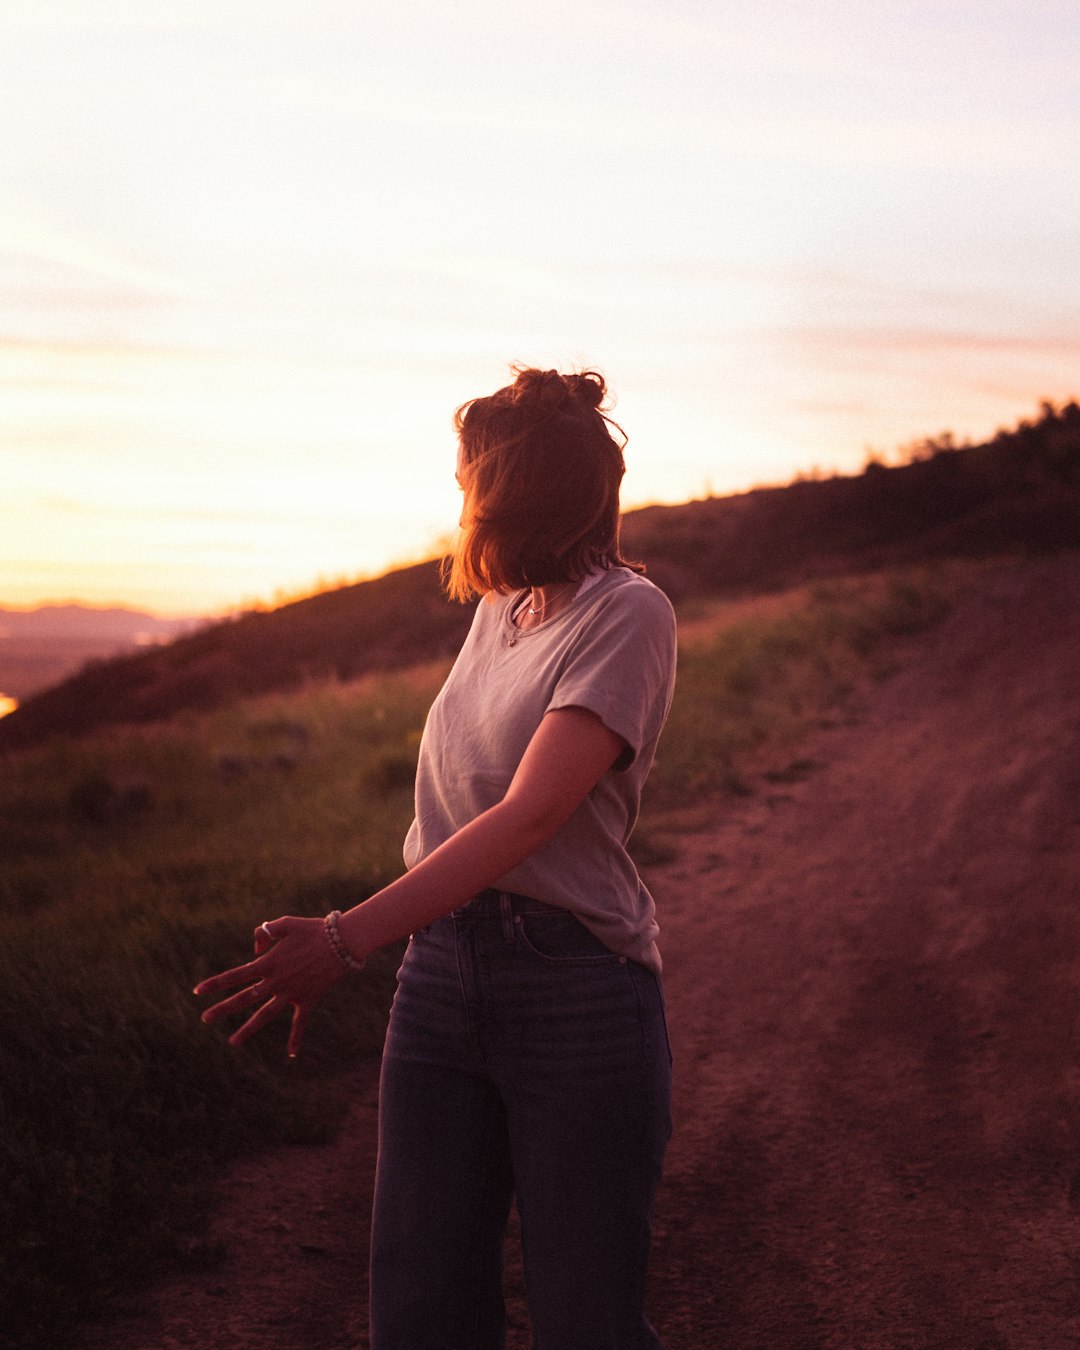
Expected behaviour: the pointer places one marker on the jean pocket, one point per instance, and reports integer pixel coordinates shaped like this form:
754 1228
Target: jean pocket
562 940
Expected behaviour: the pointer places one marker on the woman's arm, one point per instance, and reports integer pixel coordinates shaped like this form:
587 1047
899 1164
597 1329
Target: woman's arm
569 753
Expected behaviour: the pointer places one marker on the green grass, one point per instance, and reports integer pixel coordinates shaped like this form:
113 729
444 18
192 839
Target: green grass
131 865
136 862
764 679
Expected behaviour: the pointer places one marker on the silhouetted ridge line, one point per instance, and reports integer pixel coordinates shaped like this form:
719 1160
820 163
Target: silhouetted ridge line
1018 492
397 620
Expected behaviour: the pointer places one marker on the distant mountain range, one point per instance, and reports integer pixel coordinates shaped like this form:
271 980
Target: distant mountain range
85 623
1019 492
41 647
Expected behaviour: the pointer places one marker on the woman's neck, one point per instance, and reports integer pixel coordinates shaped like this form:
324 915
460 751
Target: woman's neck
544 602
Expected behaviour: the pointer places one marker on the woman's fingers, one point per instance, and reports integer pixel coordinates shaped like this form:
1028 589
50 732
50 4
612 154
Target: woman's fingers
296 1031
293 968
269 1010
267 935
251 970
238 1003
270 932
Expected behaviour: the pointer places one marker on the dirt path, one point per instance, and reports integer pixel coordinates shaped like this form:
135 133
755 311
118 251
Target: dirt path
872 978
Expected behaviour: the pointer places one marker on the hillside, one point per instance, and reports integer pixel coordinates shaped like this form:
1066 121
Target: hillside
870 960
1019 492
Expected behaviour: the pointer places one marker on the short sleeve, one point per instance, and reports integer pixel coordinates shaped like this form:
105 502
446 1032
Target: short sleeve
622 665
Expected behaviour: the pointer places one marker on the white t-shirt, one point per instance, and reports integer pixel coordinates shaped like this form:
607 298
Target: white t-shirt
612 651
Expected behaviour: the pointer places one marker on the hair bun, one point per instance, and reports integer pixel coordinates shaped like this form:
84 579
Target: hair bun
554 392
588 387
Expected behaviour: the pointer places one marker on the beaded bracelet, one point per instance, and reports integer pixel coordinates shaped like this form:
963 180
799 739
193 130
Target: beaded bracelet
330 928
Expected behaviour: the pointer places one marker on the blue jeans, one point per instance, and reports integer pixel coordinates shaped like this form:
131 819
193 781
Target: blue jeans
525 1059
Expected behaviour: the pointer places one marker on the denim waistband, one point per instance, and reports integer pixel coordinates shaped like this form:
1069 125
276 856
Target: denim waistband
493 904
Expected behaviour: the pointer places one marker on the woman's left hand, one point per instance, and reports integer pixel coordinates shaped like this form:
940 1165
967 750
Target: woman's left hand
294 967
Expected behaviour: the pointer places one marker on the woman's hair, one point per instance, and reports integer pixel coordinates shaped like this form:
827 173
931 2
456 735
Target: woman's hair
540 469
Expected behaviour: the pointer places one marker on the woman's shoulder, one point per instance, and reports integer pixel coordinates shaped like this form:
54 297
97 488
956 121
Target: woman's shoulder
622 589
627 611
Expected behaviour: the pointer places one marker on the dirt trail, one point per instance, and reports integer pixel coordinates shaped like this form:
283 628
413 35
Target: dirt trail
872 978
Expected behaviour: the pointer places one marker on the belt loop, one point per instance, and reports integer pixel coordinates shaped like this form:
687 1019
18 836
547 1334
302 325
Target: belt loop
506 910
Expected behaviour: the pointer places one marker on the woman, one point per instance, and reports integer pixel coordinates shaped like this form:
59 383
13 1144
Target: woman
527 1052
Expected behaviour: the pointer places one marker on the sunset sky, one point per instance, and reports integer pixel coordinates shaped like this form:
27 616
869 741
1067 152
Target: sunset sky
253 255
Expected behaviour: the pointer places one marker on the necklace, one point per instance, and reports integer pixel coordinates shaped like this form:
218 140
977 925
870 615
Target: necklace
562 591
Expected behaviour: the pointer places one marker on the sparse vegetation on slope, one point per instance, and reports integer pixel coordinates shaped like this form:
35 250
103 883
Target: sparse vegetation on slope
132 864
762 679
1019 492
